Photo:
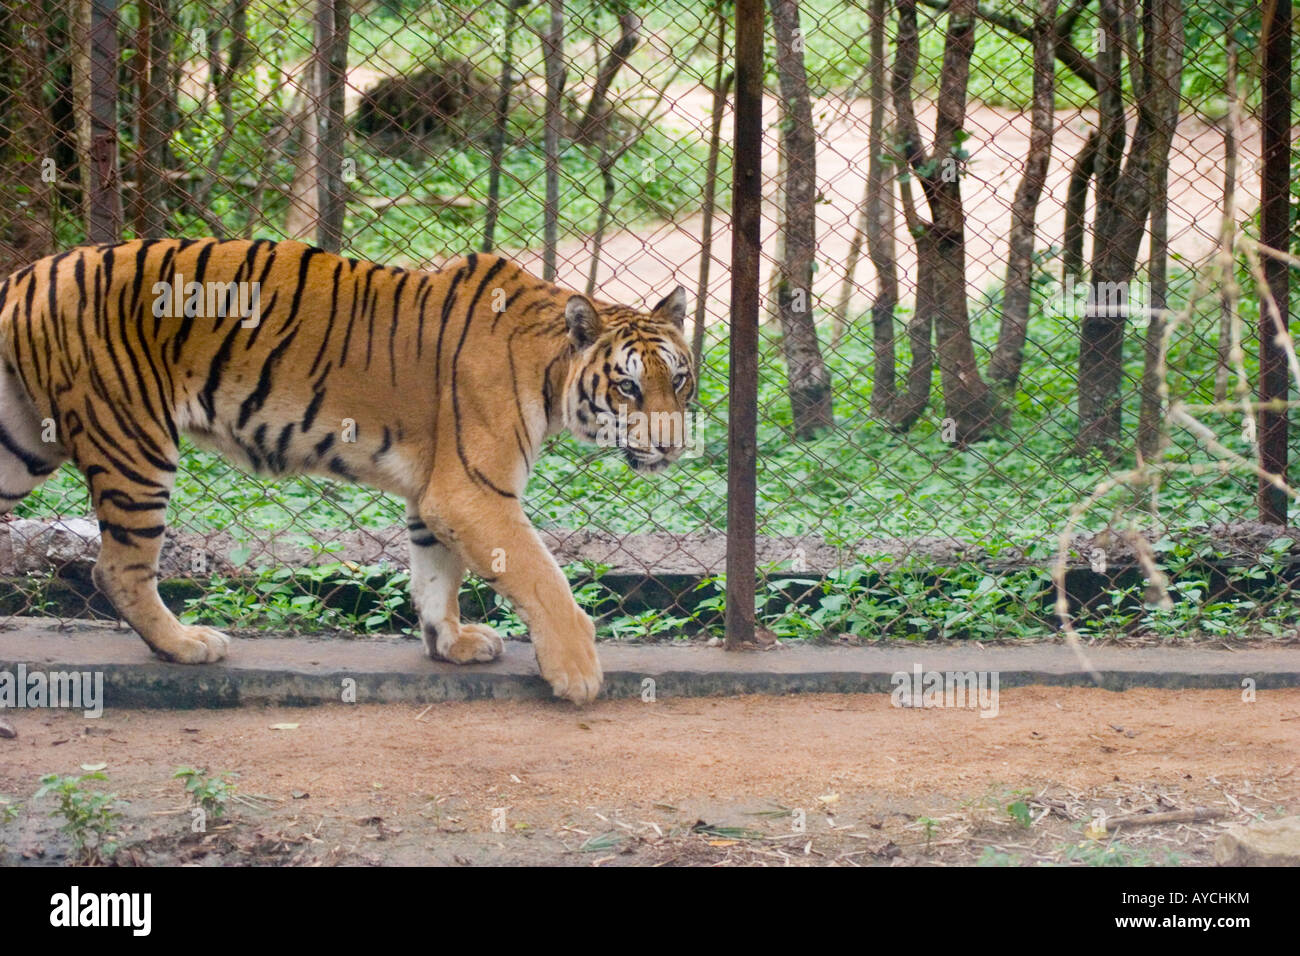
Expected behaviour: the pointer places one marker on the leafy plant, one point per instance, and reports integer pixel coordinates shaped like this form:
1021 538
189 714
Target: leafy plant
90 817
208 792
1018 810
929 827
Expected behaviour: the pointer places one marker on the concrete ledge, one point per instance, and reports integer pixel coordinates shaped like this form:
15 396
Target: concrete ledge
305 671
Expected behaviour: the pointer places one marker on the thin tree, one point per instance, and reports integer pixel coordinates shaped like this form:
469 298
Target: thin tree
224 72
318 194
553 54
941 306
94 85
596 124
1067 54
808 380
1229 213
721 85
609 158
1162 73
333 25
27 201
778 204
1004 367
303 209
1076 205
157 29
876 229
1124 198
500 117
629 34
1149 426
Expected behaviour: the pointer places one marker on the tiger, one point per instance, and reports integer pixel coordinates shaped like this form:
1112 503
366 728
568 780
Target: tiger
447 382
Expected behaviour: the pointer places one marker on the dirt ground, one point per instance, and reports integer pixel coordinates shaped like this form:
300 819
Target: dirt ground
803 780
640 264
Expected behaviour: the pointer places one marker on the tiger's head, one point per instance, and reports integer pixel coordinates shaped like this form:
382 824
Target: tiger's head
631 379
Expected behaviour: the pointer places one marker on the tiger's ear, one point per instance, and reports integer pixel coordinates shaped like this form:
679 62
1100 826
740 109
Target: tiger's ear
583 323
673 306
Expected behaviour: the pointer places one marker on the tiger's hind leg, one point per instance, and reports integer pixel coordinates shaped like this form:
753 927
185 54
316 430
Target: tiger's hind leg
436 574
130 498
29 451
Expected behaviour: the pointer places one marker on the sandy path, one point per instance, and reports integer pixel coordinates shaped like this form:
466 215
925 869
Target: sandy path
437 775
646 262
641 263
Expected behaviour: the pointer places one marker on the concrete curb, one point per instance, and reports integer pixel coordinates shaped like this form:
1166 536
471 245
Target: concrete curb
305 671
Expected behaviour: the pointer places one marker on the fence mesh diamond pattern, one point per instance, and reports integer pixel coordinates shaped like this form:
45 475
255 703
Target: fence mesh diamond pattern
1013 275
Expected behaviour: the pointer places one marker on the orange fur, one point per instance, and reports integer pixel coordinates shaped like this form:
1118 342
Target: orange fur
451 381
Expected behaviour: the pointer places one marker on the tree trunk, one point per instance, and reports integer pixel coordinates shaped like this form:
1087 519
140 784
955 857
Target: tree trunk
1076 206
808 380
79 33
94 83
876 229
26 139
500 116
1228 225
105 215
317 194
606 165
595 117
283 132
333 25
908 407
1149 416
941 243
595 124
1123 205
553 53
720 88
154 128
303 211
224 71
1067 54
609 157
1162 66
778 201
1004 367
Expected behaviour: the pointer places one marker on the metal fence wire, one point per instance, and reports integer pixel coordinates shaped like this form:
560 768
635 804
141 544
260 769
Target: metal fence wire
1016 259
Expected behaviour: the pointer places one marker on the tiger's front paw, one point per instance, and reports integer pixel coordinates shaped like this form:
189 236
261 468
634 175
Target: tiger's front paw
462 643
193 645
571 666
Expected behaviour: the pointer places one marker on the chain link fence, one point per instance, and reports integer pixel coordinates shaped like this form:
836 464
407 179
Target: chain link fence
1011 282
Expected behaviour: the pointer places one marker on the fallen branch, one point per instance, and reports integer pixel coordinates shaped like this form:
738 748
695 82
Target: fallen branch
1196 815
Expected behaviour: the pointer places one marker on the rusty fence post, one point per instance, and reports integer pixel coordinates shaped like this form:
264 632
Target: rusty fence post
742 402
104 209
1275 185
